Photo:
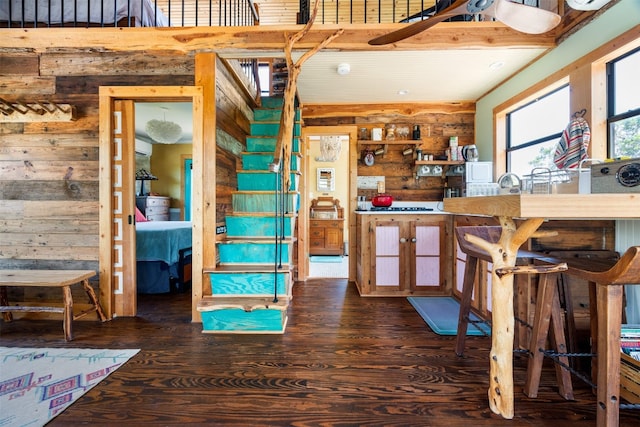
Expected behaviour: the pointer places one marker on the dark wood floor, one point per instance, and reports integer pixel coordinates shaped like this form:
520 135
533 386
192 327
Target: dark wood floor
344 360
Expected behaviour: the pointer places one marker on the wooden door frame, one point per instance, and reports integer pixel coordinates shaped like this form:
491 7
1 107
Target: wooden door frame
107 96
305 203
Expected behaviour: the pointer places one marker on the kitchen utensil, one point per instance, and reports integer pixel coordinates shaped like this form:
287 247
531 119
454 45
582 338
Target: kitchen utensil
382 200
470 153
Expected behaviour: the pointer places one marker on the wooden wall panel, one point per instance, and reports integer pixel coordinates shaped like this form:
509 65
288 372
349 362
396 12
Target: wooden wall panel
49 172
437 123
20 64
27 85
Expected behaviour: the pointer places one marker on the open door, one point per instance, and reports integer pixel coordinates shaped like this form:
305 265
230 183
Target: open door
117 191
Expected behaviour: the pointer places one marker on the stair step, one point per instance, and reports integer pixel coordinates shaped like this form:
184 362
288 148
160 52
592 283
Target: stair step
268 144
244 283
251 268
271 114
254 252
260 161
272 102
243 315
263 201
271 128
259 225
264 181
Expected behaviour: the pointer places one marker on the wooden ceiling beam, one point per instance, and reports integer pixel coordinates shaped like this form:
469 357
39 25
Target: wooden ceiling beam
241 41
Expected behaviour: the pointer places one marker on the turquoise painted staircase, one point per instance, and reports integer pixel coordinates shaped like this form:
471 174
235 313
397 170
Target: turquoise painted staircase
251 286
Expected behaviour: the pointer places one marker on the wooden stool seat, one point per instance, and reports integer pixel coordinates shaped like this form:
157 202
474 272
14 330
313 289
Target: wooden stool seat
474 256
546 291
606 278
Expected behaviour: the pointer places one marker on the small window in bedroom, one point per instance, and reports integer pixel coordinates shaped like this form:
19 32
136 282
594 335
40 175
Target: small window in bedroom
623 98
534 129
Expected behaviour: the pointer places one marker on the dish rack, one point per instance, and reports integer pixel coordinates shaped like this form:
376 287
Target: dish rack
547 181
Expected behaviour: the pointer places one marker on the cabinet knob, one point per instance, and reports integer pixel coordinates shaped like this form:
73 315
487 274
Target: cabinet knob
413 240
403 240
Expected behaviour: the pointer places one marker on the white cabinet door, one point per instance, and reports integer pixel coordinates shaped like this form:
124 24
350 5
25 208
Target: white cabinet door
388 255
426 256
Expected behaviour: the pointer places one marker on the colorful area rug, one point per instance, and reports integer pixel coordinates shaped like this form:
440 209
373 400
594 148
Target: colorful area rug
441 314
36 384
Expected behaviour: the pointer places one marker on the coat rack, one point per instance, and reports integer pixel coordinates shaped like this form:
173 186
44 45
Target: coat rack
45 111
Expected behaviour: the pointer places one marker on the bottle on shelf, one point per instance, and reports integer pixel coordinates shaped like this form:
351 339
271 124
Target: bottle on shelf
416 132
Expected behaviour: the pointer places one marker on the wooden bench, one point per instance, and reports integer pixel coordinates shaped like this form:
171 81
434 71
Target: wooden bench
50 278
547 294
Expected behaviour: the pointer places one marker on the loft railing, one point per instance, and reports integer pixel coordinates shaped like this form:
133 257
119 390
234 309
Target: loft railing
127 13
210 13
370 11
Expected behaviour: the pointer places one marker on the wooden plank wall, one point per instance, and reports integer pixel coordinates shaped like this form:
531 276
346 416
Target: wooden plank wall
49 171
437 123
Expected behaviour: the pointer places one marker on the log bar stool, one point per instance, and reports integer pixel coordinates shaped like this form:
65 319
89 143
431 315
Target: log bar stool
605 331
546 289
474 256
63 279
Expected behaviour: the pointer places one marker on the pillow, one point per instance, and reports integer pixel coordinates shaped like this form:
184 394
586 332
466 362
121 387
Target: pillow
140 217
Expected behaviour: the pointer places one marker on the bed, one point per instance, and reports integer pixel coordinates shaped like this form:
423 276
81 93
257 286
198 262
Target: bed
163 255
82 13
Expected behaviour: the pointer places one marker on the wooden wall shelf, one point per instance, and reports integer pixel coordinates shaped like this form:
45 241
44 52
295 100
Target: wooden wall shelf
439 162
390 142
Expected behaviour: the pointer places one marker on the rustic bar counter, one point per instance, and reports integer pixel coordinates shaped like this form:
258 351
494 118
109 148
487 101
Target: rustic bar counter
534 209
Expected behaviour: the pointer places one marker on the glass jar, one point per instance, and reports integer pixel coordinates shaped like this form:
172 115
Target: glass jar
363 134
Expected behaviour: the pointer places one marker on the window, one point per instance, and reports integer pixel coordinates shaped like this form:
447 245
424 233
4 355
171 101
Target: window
623 112
264 72
533 131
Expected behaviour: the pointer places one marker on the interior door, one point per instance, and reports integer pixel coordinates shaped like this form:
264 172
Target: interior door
123 225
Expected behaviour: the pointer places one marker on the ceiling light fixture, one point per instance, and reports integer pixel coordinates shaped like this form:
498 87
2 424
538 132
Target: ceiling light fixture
163 131
403 92
344 69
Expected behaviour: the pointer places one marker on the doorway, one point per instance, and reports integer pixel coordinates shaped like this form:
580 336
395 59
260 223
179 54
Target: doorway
163 139
117 206
319 158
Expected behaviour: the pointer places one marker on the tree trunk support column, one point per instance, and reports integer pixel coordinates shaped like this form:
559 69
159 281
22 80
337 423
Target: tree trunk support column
503 255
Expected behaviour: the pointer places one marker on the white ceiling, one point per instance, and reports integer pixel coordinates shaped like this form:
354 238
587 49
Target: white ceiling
377 77
178 112
426 76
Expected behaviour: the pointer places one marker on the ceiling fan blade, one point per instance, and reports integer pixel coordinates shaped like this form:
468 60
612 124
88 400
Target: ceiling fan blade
524 18
458 7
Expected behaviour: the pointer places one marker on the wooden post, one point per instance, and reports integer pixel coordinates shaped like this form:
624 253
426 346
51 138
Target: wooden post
503 254
282 152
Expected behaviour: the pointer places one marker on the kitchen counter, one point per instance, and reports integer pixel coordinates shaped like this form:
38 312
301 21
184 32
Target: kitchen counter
432 208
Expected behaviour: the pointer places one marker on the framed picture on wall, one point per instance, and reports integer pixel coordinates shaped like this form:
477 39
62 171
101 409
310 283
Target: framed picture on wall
326 179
